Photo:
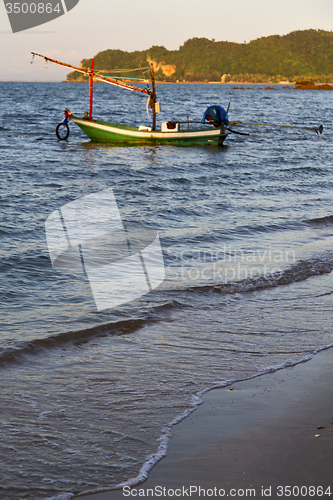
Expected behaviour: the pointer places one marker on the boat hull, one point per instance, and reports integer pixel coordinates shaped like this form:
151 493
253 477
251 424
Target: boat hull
100 131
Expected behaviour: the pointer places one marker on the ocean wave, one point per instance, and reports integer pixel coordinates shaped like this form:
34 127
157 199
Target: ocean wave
220 235
149 315
300 271
326 220
13 355
24 262
216 234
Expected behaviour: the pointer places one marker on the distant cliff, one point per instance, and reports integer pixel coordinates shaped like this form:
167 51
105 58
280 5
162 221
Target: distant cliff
299 55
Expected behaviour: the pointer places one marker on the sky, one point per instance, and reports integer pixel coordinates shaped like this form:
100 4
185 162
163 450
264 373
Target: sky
96 25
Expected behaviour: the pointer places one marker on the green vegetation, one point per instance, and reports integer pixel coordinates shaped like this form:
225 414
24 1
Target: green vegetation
299 55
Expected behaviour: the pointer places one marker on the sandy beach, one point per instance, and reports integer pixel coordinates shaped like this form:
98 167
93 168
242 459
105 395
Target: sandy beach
264 437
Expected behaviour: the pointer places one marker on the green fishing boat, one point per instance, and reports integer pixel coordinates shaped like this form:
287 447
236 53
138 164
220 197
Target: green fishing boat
212 130
111 132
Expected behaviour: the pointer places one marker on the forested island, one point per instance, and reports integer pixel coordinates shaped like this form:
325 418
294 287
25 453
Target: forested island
299 55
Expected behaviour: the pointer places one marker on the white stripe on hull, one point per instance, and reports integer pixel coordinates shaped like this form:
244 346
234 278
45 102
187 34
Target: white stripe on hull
148 135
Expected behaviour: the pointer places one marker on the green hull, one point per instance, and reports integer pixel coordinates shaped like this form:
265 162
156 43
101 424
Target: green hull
121 134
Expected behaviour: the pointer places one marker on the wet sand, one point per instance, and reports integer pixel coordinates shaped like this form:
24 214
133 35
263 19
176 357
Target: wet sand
256 440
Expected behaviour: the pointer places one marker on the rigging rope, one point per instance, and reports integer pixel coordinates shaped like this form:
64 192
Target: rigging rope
120 70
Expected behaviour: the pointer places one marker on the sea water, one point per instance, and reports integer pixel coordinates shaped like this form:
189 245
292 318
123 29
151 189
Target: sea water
246 231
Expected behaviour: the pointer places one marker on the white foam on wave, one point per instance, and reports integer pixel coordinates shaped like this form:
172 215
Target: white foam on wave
61 496
196 401
43 415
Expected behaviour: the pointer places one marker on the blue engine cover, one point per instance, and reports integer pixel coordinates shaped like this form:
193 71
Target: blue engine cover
217 114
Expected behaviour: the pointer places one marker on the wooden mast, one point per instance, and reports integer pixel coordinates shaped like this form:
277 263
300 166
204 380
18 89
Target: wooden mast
153 95
91 81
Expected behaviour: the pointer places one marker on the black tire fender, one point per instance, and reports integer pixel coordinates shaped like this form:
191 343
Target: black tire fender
62 131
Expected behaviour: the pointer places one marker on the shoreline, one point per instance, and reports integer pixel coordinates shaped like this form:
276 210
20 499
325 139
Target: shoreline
258 434
292 84
283 84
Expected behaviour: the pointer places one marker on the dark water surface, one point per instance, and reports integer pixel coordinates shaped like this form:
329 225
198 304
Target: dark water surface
247 237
